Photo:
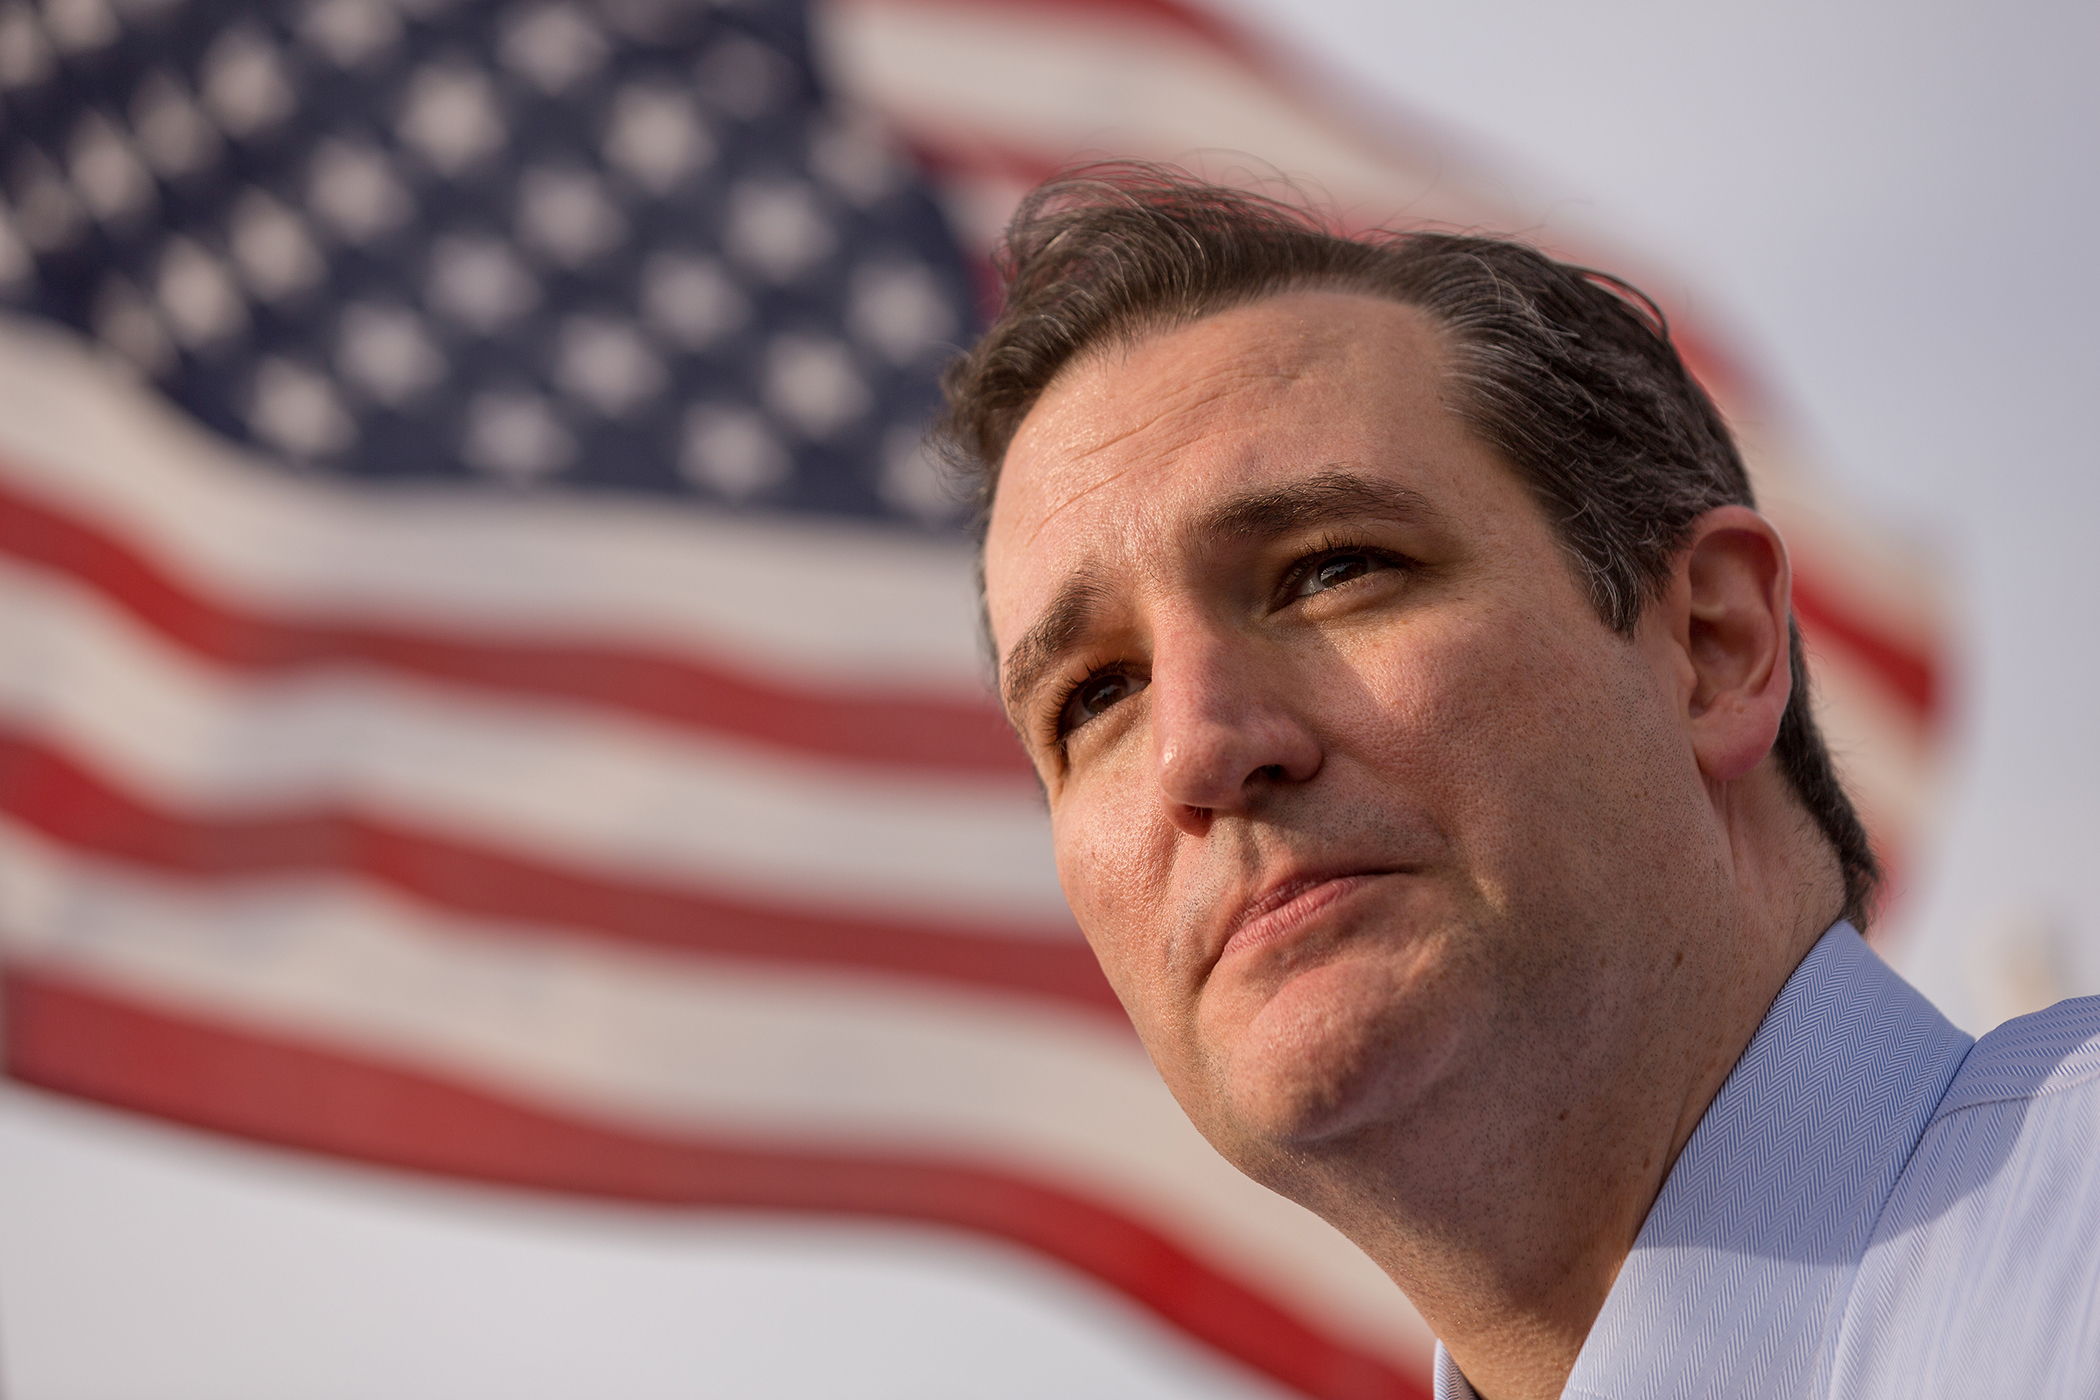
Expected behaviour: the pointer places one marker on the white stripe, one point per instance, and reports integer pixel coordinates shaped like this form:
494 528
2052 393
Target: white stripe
1893 581
961 74
1888 760
829 1062
821 601
571 782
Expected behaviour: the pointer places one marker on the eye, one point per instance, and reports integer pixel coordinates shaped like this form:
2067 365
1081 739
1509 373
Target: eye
1330 570
1093 695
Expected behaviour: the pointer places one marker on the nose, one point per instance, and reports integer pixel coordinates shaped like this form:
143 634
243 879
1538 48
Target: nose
1228 728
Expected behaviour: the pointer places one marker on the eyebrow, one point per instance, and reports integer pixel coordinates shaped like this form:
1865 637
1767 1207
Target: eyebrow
1056 632
1329 497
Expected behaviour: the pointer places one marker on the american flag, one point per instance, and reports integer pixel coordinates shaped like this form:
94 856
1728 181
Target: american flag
488 680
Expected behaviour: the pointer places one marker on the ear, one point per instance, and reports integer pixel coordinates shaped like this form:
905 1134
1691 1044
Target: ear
1722 624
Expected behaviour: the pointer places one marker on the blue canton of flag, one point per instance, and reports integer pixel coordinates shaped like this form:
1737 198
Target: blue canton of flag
628 245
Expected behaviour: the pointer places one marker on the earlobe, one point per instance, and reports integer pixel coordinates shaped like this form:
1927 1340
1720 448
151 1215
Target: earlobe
1733 580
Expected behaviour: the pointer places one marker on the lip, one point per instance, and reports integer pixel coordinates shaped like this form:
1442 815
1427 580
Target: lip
1289 904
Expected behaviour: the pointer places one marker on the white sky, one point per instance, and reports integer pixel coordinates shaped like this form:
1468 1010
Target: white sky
1893 207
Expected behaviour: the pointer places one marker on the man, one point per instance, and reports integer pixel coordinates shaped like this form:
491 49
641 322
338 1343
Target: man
1427 746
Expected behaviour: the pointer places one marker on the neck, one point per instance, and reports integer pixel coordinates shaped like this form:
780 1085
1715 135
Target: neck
1506 1203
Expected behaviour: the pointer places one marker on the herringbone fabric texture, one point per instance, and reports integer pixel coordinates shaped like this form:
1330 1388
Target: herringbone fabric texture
1871 1207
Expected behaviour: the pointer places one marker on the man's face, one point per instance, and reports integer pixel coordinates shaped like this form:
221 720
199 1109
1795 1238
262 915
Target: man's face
1356 798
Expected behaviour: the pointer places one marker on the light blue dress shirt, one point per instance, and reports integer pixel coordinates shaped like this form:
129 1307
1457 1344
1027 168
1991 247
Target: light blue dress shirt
1873 1206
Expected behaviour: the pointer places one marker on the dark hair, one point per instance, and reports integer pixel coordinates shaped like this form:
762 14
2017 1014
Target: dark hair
1567 372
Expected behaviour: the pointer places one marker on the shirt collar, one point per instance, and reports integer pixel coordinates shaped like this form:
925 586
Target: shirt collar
1451 1383
1736 1276
1748 1250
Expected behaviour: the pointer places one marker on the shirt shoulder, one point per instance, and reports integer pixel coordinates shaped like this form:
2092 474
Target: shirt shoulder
2050 1052
1982 1277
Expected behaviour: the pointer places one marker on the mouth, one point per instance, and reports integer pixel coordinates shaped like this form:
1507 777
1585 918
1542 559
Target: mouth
1287 907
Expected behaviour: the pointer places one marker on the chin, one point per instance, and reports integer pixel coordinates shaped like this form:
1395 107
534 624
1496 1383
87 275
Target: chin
1336 1050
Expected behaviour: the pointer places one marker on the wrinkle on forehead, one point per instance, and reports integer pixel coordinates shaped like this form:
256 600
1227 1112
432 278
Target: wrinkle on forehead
1072 500
1185 400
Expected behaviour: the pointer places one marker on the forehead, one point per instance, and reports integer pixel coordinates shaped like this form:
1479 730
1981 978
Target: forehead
1133 442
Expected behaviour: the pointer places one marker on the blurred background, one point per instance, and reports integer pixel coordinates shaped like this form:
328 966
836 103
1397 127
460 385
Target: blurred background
508 881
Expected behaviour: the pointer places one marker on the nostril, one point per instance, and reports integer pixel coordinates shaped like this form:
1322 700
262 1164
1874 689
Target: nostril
1193 820
1273 772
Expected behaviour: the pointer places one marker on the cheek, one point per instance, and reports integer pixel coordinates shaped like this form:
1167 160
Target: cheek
1549 759
1114 861
1499 722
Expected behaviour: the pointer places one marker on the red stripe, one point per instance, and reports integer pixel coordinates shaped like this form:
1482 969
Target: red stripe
1907 675
67 1038
925 733
934 732
69 803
